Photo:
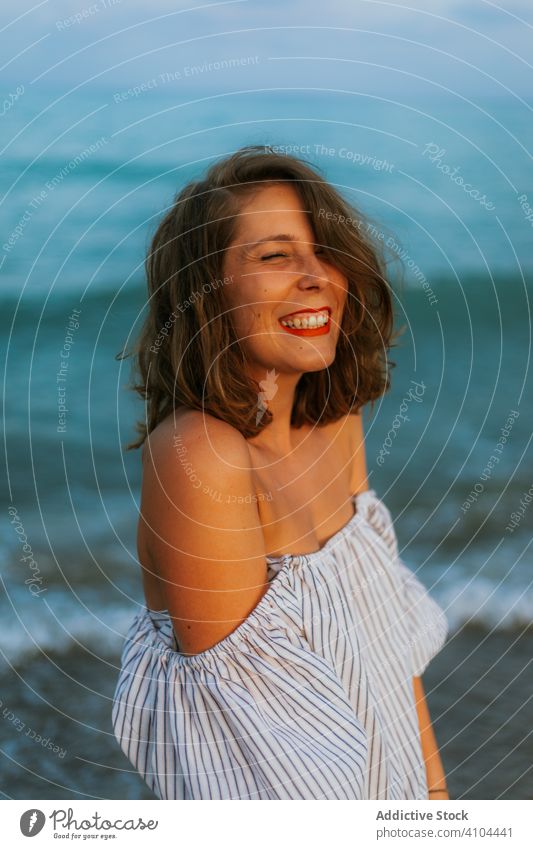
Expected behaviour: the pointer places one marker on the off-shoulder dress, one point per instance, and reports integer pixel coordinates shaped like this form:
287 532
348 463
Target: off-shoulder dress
310 697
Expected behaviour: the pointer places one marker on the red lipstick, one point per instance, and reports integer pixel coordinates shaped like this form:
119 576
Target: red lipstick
307 331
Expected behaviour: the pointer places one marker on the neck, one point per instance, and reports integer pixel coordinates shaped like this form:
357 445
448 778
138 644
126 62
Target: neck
278 396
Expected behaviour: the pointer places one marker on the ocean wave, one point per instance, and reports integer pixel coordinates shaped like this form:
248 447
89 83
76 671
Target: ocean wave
101 629
486 604
101 632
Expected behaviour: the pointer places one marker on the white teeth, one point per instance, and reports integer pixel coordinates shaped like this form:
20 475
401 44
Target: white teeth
310 321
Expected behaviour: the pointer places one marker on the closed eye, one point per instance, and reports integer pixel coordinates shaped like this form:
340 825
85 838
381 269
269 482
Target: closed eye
273 256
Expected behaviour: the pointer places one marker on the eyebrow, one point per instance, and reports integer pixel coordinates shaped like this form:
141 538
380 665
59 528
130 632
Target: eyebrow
279 237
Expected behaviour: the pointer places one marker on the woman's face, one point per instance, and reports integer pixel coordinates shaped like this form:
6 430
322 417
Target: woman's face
286 300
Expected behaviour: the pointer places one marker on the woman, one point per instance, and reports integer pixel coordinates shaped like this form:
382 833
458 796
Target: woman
279 650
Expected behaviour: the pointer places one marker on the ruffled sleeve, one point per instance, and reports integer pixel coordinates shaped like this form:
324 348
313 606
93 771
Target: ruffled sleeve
426 623
257 716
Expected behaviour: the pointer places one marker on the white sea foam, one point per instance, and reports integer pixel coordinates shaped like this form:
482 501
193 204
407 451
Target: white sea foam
101 628
100 631
485 603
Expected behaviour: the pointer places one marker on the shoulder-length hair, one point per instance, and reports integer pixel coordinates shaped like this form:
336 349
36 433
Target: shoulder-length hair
188 354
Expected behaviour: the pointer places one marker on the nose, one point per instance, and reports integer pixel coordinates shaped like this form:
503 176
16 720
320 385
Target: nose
312 273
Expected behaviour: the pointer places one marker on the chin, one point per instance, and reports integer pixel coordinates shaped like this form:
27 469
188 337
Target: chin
314 362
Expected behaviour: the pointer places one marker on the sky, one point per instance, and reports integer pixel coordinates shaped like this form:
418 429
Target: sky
480 48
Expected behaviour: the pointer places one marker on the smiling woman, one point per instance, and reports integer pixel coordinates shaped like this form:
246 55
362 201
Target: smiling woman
250 674
227 220
285 284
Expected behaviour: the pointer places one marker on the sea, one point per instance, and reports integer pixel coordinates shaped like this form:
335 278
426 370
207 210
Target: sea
448 186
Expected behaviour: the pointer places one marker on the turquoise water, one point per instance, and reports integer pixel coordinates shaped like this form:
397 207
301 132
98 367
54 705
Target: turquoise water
85 181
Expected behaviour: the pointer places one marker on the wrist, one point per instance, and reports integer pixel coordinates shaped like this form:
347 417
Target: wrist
438 793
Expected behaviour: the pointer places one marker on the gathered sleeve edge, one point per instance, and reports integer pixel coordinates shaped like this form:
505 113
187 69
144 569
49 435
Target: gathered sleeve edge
427 623
261 617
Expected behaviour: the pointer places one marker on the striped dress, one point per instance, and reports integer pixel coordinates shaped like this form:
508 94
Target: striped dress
311 697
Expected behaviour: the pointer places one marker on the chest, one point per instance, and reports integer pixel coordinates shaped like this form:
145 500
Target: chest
304 499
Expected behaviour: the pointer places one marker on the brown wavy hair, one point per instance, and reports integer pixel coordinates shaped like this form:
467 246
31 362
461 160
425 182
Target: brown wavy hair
188 354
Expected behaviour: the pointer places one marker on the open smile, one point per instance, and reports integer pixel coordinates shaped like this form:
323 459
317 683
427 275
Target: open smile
307 322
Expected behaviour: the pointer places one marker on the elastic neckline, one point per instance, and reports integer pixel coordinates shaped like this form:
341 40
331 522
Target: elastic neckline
358 499
267 604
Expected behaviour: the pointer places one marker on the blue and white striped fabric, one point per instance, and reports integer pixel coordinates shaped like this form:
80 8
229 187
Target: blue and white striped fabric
311 697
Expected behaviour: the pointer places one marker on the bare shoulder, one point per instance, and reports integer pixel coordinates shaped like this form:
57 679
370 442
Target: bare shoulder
202 526
348 429
355 427
199 433
355 436
198 465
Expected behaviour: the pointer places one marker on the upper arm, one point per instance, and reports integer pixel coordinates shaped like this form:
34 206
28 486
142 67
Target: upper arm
359 478
203 529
